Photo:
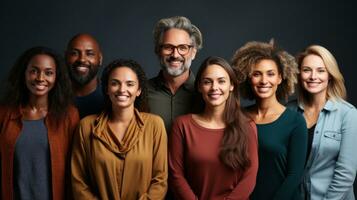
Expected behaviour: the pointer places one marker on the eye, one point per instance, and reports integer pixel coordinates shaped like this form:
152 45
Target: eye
321 70
255 74
222 81
49 73
206 82
73 53
271 74
183 47
131 84
91 53
305 69
113 83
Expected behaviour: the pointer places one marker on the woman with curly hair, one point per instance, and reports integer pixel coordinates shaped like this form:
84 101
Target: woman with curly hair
268 75
213 154
122 152
37 122
331 121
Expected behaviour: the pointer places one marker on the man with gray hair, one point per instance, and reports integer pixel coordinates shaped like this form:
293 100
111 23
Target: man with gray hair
171 93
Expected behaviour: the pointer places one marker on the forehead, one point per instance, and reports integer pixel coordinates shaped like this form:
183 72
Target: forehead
176 36
123 73
214 71
42 60
265 65
84 43
313 61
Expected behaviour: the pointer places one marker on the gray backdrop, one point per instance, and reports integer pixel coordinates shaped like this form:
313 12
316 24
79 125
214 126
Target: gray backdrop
124 28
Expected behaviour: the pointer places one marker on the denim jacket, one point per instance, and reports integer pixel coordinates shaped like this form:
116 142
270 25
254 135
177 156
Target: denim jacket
332 163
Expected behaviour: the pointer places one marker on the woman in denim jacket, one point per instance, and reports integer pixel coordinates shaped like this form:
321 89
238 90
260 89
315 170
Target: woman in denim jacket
332 123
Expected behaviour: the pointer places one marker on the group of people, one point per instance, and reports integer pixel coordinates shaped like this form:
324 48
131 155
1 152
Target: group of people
68 133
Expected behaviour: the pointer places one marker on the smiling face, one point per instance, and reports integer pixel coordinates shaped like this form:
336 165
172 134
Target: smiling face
215 86
314 75
265 79
40 75
175 64
123 87
83 59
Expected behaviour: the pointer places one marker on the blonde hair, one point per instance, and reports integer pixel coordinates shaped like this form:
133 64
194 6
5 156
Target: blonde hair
336 87
253 52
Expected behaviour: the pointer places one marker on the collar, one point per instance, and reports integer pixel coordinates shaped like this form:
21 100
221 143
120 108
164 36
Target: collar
329 106
189 84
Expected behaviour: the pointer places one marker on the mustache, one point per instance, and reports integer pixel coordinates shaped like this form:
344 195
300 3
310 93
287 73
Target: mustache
79 63
171 58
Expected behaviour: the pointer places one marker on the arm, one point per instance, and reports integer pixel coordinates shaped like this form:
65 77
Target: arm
296 156
177 180
81 186
247 183
158 186
346 164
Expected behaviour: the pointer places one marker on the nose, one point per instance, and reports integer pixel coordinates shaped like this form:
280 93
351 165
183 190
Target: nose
82 57
175 53
263 80
40 76
214 85
313 75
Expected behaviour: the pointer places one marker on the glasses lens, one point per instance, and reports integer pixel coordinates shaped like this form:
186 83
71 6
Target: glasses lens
169 49
183 49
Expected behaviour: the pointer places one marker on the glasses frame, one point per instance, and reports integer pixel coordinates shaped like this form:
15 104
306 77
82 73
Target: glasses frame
173 47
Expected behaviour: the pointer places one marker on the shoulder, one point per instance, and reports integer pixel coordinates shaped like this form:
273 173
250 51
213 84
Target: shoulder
151 118
294 118
343 105
88 121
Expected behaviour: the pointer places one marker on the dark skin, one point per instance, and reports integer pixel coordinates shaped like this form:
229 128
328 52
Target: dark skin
83 53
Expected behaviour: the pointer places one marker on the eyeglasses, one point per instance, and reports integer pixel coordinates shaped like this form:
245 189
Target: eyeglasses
182 49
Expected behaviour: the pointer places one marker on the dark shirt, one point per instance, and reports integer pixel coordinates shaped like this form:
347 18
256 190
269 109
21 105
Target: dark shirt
92 103
32 166
282 155
310 138
167 105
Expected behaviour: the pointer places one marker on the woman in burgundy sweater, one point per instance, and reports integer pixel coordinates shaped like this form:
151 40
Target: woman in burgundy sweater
213 154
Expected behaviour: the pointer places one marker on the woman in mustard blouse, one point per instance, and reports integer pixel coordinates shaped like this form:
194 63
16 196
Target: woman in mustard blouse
122 152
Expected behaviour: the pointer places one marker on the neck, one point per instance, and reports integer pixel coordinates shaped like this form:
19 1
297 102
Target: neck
174 82
38 103
213 114
267 106
122 114
86 89
317 101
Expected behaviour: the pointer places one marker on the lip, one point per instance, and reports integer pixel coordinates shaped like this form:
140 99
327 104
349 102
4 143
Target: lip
39 86
214 95
121 97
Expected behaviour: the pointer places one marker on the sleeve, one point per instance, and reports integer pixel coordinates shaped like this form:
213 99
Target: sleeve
158 186
346 164
297 149
177 180
246 185
80 176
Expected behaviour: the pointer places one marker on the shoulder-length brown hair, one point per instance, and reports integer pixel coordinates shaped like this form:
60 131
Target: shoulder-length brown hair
234 146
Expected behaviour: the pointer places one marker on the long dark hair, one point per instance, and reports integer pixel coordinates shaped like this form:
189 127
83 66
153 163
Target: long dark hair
59 97
140 102
234 145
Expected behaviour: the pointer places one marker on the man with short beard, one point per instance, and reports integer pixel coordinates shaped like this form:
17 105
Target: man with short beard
171 92
83 59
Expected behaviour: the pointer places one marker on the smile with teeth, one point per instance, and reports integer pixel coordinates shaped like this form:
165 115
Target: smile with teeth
263 89
121 97
214 95
39 86
312 84
82 68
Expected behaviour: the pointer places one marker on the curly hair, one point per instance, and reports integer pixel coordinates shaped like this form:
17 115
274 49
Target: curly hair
60 97
252 53
234 145
336 86
140 102
178 22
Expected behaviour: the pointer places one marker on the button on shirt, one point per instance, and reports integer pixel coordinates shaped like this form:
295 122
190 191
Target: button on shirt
332 163
167 105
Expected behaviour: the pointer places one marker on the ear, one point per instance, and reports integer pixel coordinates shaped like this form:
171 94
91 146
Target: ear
193 53
138 92
231 87
100 59
280 79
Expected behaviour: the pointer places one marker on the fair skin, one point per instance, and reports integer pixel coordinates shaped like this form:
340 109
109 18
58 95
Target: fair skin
314 78
215 87
123 88
83 58
265 79
176 65
40 77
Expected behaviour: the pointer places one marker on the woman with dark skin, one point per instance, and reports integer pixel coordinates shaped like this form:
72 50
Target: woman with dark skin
37 122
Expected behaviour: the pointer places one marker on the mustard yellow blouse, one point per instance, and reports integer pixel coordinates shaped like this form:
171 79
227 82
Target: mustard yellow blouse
135 168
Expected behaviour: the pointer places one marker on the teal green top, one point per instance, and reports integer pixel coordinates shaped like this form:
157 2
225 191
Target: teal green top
282 155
